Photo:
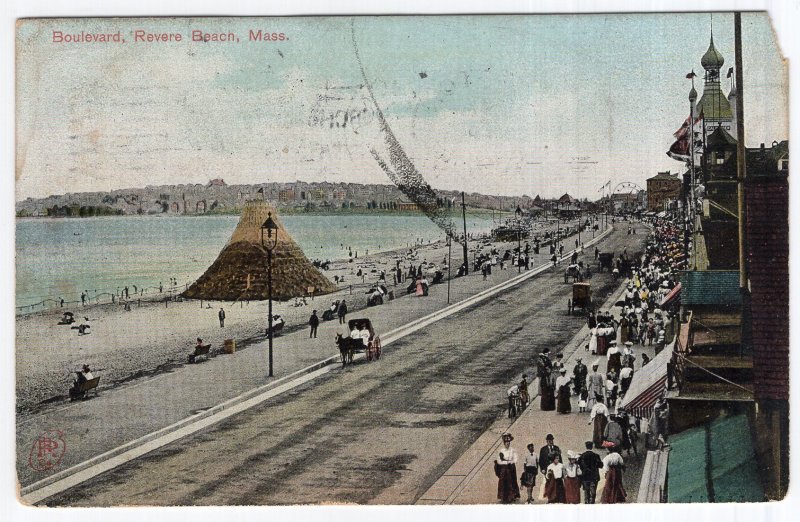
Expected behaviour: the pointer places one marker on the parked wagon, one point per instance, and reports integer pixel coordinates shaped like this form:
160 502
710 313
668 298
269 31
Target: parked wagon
581 297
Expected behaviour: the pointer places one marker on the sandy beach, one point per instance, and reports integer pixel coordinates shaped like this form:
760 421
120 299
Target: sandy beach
154 336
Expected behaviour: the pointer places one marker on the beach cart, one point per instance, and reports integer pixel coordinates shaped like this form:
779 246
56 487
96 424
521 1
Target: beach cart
581 297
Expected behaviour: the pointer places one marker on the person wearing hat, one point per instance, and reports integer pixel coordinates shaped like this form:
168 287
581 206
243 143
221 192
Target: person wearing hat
547 453
598 417
622 329
625 378
595 385
614 358
523 391
82 376
544 370
572 479
505 467
579 373
590 464
563 390
313 322
530 470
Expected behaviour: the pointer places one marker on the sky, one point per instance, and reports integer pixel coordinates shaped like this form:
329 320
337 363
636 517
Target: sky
498 104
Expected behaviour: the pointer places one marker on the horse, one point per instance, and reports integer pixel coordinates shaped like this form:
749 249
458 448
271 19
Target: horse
346 348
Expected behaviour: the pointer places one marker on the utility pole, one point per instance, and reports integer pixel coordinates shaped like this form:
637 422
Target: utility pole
464 217
741 172
741 176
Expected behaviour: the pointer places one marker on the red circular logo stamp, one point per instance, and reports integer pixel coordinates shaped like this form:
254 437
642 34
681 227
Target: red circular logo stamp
47 450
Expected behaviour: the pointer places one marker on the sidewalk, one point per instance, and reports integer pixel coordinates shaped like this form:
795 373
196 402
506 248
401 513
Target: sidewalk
130 412
471 479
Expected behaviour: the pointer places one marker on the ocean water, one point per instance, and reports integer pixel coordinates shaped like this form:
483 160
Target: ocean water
61 258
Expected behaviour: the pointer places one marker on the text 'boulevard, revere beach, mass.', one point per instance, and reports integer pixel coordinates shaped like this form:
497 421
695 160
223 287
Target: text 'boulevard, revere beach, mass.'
401 260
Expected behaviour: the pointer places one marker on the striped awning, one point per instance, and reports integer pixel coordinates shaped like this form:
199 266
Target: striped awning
674 293
648 385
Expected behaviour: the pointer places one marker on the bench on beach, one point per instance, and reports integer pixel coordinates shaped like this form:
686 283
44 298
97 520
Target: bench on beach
85 387
200 351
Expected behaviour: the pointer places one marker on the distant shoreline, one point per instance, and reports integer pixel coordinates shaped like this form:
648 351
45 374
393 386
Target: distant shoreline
287 212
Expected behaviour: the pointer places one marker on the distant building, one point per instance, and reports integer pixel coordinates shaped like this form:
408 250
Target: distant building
662 189
218 182
404 204
286 195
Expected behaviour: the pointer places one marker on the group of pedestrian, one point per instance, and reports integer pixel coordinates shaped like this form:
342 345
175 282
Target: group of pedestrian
563 480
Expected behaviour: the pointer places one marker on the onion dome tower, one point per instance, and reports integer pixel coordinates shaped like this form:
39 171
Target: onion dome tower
714 104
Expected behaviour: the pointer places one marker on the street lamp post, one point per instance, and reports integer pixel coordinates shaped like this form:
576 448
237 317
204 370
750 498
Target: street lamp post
269 243
449 260
518 214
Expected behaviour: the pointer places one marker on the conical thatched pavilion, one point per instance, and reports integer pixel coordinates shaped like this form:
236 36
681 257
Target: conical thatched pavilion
240 271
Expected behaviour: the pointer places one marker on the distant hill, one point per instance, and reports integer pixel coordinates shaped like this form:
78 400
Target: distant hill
217 197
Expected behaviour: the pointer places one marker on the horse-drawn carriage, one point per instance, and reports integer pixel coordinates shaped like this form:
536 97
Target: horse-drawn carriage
573 271
581 297
349 346
605 260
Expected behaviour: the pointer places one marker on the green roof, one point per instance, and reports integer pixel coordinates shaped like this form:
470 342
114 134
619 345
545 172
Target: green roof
712 59
714 463
714 104
710 287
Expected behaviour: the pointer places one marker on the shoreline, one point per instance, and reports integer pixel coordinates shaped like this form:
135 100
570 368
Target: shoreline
156 337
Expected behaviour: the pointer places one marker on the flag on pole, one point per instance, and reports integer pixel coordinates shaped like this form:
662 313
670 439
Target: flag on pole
679 150
730 72
691 75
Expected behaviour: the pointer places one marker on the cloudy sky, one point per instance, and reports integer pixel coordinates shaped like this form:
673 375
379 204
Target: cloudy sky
495 104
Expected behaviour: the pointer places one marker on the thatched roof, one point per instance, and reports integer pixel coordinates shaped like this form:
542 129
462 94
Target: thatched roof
240 270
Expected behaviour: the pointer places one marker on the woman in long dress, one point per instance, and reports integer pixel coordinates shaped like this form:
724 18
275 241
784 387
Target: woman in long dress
549 392
572 479
554 486
593 341
562 387
598 417
613 491
505 467
544 368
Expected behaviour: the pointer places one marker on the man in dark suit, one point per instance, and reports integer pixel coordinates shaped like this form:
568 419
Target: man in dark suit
314 323
548 453
590 464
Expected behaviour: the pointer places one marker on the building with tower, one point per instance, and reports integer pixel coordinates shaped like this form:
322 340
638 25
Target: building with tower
714 105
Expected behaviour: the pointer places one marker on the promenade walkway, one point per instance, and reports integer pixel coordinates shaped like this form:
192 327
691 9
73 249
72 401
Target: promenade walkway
471 479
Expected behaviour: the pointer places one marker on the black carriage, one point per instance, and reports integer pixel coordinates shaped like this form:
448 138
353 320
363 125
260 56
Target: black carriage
574 272
605 261
581 297
372 350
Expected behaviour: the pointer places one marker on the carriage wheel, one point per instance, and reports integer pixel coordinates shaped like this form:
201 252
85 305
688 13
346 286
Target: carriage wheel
369 353
377 348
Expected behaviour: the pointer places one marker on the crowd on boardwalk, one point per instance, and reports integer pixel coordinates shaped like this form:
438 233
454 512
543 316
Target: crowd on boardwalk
641 322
